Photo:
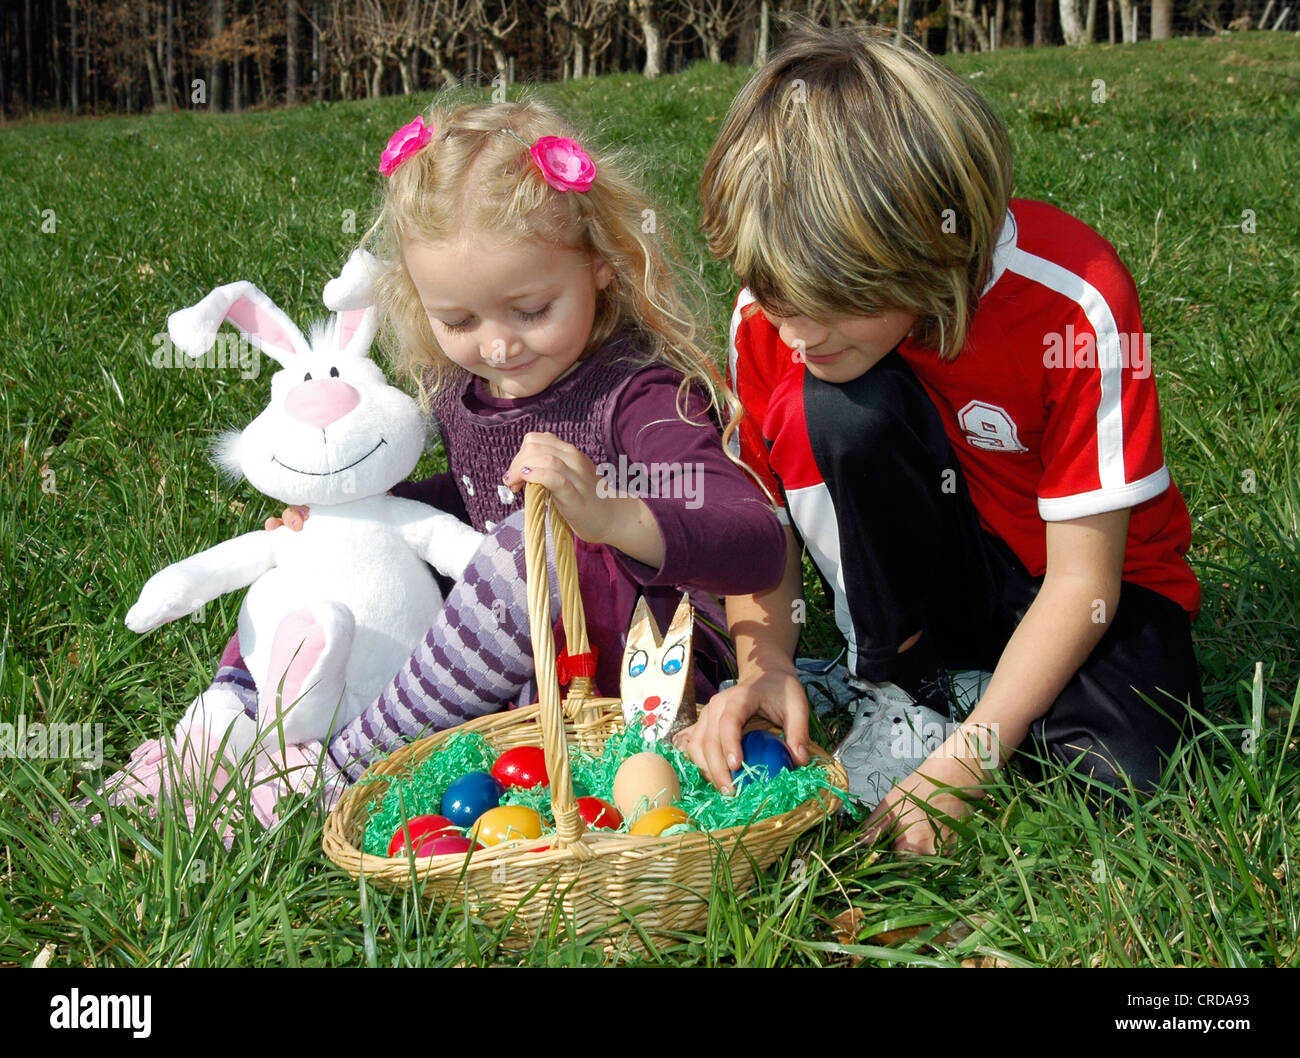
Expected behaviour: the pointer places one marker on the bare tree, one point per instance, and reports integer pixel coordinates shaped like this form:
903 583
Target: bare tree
291 85
649 18
714 21
440 28
496 20
977 22
339 40
587 23
147 42
388 32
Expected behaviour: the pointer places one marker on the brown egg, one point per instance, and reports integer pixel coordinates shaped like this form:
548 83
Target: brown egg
645 781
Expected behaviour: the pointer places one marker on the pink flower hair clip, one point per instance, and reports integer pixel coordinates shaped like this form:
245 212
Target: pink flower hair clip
564 164
405 142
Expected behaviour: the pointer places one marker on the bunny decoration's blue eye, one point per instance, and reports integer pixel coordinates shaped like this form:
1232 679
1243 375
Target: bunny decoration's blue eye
636 665
334 372
674 659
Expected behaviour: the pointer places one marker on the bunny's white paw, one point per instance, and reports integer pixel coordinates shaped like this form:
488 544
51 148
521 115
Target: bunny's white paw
165 597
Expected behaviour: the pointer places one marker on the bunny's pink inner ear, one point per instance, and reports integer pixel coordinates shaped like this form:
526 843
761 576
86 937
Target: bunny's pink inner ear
350 321
259 322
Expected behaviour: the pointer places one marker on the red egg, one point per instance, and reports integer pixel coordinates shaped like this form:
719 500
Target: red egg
596 812
523 766
423 829
446 845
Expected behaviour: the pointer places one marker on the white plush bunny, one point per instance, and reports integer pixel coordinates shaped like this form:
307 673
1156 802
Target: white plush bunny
333 611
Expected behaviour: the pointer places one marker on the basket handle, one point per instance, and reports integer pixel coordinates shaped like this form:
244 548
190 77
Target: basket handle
537 505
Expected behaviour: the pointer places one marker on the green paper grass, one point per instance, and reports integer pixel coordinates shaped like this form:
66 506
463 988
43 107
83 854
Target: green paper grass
421 789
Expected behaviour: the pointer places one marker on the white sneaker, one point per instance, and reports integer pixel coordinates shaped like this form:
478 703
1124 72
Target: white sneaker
890 738
827 684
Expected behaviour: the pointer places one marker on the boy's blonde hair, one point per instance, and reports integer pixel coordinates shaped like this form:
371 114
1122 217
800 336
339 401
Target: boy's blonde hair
855 175
475 175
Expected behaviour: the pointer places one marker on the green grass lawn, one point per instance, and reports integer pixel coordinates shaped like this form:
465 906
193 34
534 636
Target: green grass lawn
106 480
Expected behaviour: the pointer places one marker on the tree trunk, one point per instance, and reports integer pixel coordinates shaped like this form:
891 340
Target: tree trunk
169 67
764 32
976 24
904 19
291 86
218 23
150 59
1110 21
1072 24
318 47
74 93
999 21
27 43
1090 29
654 46
1042 27
715 50
1162 19
1125 19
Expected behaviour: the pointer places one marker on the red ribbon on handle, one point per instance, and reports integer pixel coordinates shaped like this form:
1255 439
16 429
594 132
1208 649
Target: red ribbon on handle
569 665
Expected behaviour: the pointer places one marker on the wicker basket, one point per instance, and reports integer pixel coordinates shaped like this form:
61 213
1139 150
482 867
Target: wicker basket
587 879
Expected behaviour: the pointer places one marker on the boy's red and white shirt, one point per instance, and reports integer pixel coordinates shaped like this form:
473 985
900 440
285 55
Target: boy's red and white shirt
1051 407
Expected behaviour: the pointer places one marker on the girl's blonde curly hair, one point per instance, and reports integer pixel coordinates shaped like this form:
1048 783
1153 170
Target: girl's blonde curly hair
476 176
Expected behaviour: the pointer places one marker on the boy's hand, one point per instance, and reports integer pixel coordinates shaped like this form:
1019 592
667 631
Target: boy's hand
903 811
713 741
293 517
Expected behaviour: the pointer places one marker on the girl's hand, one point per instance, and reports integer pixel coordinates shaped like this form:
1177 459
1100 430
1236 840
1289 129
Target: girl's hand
916 832
571 479
623 522
293 517
713 741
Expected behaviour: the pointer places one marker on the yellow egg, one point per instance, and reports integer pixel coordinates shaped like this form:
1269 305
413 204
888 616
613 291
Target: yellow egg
645 780
506 823
657 820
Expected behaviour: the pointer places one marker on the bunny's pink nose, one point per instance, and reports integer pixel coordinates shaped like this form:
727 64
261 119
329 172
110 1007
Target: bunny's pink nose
321 401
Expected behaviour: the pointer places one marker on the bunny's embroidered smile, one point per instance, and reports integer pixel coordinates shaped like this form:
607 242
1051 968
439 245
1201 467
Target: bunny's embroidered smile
327 473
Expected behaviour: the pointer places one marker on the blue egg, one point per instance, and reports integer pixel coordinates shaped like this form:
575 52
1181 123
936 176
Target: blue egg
765 753
470 796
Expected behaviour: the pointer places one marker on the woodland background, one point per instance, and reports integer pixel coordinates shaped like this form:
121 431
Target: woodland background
131 56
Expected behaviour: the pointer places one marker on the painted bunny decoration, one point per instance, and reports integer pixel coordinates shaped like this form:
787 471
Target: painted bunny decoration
657 687
334 610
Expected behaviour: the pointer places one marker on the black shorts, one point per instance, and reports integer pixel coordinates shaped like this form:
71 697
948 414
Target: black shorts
925 563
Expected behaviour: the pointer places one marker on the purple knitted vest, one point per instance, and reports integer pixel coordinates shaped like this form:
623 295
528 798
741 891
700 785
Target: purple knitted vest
576 408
